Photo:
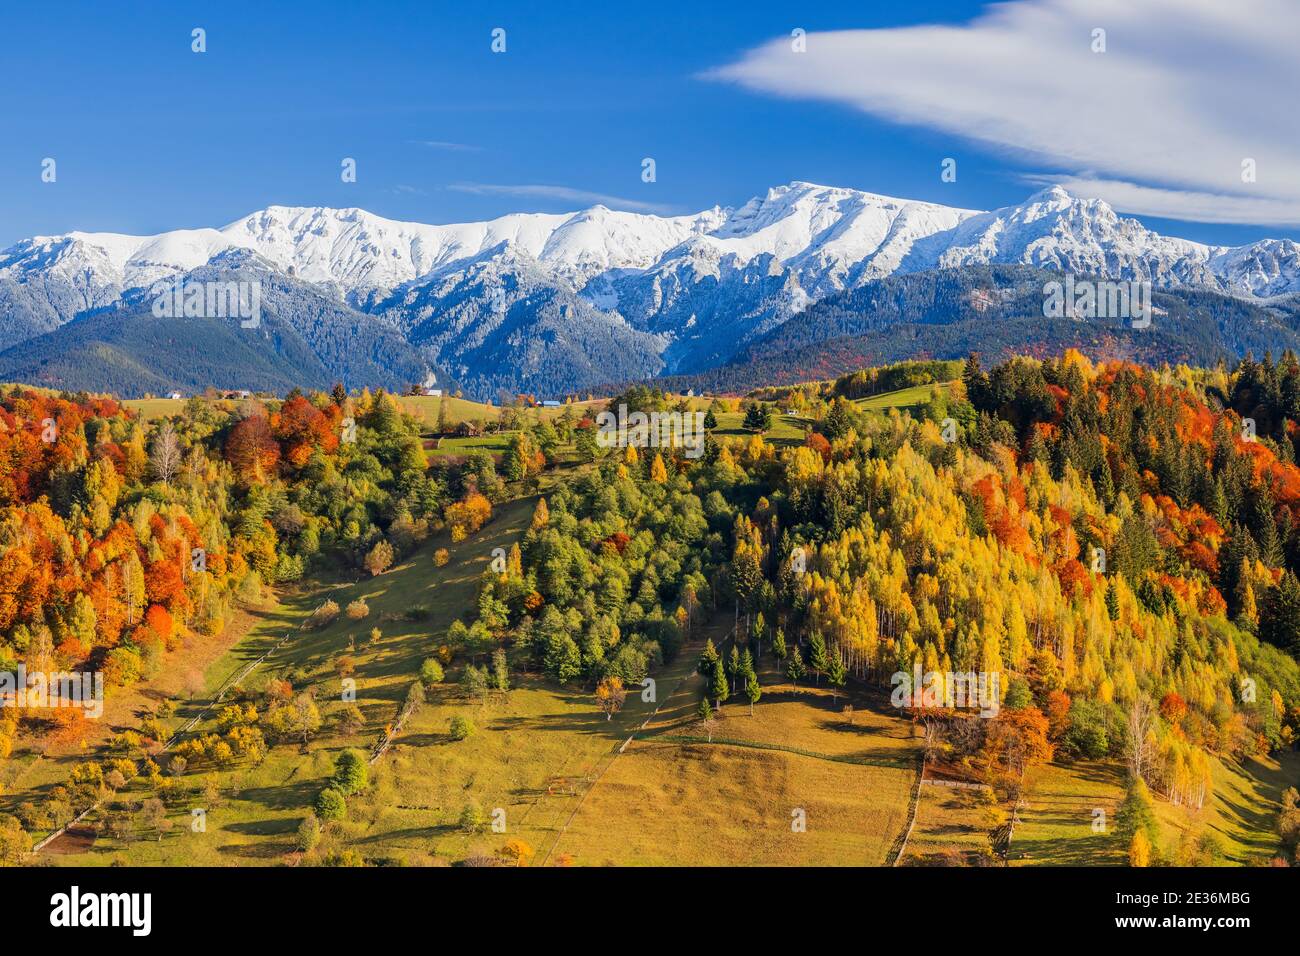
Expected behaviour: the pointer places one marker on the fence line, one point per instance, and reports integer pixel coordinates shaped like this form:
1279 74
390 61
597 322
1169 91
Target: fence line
915 806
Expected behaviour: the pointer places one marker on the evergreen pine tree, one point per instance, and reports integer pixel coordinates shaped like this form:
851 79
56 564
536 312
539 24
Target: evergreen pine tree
705 710
718 685
708 659
794 668
817 658
1279 619
752 691
836 673
778 644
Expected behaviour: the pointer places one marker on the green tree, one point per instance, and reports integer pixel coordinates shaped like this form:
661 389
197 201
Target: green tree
1279 619
1112 600
705 710
309 832
758 417
473 681
1137 814
752 691
733 667
746 574
461 727
1018 694
563 659
718 685
431 672
794 668
817 659
351 775
708 659
778 644
331 804
500 670
837 674
586 445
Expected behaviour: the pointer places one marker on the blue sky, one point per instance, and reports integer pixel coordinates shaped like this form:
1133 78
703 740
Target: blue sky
149 136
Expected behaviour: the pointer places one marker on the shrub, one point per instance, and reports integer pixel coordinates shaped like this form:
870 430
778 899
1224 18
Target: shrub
461 728
380 558
431 672
441 557
358 609
472 819
323 616
309 832
343 858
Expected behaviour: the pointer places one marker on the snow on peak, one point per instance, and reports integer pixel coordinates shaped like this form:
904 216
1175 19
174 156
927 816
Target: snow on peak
827 236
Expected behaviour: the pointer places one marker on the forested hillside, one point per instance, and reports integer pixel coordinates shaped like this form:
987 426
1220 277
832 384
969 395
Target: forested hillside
119 538
1106 538
1115 546
996 310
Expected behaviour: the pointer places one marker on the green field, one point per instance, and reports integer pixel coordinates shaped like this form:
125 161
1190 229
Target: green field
904 399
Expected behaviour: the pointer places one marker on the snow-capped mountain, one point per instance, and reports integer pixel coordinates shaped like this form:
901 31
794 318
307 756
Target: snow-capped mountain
683 292
354 250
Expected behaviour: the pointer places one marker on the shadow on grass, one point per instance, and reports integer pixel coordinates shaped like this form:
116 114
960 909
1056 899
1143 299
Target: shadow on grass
277 827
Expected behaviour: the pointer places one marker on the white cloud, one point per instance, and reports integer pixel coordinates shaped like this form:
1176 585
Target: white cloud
561 193
1158 124
1183 204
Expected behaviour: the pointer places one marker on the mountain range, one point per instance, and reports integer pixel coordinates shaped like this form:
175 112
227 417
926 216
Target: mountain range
556 303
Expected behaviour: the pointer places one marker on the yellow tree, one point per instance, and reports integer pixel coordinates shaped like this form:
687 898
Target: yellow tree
517 851
1139 851
610 696
658 473
541 515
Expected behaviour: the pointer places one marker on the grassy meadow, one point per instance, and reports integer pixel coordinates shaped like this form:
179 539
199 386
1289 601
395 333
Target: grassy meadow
674 797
